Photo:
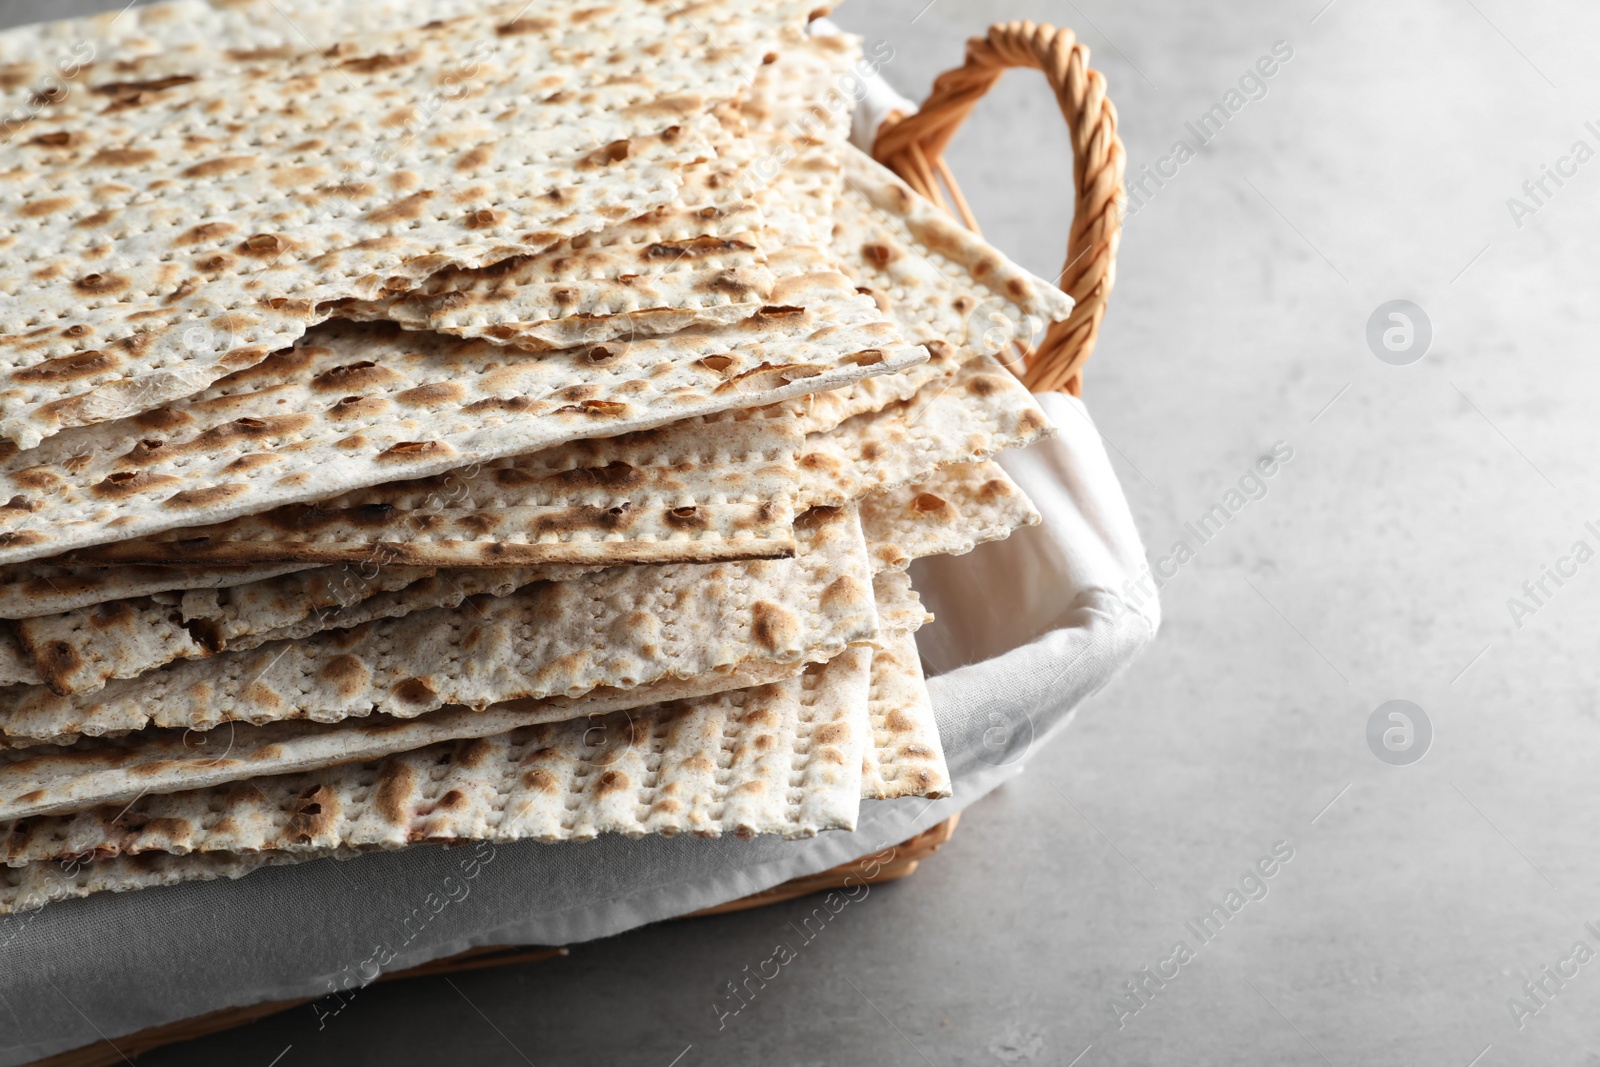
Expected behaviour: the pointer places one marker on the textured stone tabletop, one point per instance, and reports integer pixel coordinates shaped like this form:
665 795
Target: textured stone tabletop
1407 546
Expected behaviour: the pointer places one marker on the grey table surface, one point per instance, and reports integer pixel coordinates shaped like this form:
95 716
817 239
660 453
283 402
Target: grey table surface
1379 162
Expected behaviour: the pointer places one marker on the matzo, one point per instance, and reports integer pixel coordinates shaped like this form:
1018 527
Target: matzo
976 412
905 758
445 589
79 651
698 490
784 766
784 758
38 884
943 285
711 257
981 410
799 157
282 218
201 34
114 53
354 405
43 779
948 514
48 587
929 497
809 90
691 491
954 284
16 666
618 628
900 610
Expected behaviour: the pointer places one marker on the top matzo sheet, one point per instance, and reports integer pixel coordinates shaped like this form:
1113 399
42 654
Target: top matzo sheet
160 234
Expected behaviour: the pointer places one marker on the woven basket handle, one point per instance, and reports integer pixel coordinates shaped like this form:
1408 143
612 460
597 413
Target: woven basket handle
913 147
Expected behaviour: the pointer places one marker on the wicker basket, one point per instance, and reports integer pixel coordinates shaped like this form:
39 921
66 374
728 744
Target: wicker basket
912 146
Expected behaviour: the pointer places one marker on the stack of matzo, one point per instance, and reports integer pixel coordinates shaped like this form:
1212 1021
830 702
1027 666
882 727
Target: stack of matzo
428 422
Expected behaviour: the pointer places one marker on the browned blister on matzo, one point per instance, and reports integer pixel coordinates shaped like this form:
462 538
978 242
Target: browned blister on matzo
197 223
949 513
622 627
353 405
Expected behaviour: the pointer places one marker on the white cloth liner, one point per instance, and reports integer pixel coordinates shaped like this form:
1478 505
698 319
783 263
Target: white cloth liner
1044 611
